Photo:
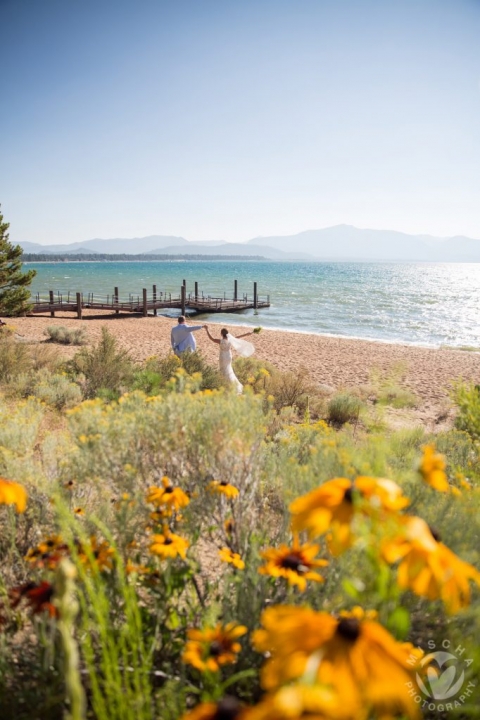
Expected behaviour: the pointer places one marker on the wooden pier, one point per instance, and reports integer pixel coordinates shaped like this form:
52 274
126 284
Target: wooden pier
148 302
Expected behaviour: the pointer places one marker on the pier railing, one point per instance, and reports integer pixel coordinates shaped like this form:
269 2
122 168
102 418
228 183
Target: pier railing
147 301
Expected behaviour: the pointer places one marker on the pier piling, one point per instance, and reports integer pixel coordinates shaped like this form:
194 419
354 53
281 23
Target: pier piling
52 311
183 297
79 306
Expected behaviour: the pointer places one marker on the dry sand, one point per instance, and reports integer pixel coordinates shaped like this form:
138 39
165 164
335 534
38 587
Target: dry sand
336 362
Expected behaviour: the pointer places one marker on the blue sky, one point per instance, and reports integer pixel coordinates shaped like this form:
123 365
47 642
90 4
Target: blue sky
230 119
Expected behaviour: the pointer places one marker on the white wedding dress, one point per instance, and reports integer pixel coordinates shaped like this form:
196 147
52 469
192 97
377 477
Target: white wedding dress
243 348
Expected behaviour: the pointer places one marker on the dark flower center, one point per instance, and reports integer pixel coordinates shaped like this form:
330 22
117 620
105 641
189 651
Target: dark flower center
348 628
168 541
348 496
435 534
168 489
227 709
223 483
215 648
293 562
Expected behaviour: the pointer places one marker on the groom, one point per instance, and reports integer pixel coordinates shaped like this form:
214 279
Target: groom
182 339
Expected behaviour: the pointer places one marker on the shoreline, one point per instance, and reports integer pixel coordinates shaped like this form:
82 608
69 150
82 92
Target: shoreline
338 362
407 343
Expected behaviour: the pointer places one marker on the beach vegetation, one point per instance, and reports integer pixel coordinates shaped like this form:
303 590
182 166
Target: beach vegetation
467 398
104 366
389 389
14 284
66 336
173 550
15 357
343 408
158 371
54 389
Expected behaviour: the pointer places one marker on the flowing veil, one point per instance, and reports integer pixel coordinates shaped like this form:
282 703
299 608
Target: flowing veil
242 347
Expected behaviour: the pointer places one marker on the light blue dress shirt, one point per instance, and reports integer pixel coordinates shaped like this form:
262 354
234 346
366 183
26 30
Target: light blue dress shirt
182 338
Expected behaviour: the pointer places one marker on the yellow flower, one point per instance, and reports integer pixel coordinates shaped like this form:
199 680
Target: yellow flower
228 556
432 469
329 507
229 526
296 564
11 493
161 514
79 511
228 708
428 567
210 648
101 552
48 553
352 654
333 505
172 497
224 488
302 701
169 545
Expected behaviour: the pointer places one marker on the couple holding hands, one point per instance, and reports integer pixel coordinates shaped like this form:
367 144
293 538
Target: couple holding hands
182 340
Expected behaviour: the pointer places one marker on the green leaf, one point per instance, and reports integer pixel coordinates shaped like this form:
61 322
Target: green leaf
399 623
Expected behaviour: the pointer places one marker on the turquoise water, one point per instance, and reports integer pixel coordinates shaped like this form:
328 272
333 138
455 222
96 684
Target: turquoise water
427 304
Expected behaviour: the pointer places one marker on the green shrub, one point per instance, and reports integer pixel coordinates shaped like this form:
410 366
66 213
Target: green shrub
44 356
388 389
291 389
104 366
66 336
467 398
55 390
158 371
14 358
343 408
194 362
254 372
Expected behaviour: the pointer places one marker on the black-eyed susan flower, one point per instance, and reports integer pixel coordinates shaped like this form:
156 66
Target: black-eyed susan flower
79 511
329 507
380 494
38 597
432 469
228 708
428 567
168 495
332 507
350 653
233 558
48 553
161 514
97 554
303 702
229 526
11 493
296 564
224 488
209 649
169 545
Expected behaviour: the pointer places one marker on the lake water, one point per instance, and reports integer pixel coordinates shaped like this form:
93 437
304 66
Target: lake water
426 304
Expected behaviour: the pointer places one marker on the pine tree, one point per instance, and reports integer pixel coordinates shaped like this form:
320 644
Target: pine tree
14 292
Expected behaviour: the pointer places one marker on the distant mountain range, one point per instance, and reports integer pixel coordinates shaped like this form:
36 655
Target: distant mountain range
341 242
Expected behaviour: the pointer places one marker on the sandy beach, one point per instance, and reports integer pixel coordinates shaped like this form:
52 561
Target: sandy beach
336 362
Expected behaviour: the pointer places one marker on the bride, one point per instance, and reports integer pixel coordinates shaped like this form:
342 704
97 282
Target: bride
228 342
